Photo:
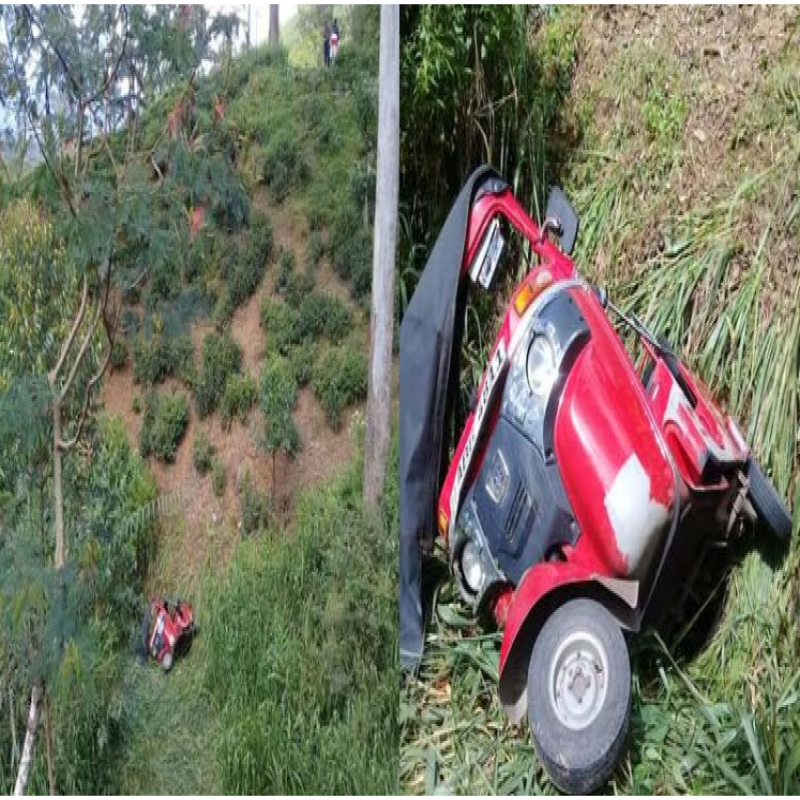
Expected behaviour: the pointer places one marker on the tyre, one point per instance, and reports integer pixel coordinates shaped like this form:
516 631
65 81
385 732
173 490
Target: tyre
579 695
772 513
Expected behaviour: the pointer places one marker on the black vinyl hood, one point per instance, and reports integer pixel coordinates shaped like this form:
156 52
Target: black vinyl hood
430 360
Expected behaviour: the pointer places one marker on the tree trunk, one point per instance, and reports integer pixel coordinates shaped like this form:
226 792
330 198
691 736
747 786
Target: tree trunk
379 399
274 24
58 489
30 737
249 20
48 739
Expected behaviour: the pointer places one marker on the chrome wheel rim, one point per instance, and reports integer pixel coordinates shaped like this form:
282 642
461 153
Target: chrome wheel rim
578 680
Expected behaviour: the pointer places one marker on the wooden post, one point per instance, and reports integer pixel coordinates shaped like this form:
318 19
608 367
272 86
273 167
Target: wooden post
387 189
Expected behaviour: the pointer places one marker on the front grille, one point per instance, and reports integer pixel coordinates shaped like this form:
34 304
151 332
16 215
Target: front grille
519 512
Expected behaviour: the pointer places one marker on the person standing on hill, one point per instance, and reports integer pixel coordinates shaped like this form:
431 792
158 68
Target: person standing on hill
326 44
334 40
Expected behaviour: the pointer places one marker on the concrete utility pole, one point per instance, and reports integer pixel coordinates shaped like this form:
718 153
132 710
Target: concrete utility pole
274 24
387 190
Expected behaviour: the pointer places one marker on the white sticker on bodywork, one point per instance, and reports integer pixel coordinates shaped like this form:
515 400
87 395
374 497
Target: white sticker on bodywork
495 370
639 522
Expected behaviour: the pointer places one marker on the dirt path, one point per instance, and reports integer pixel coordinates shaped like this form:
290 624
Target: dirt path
204 529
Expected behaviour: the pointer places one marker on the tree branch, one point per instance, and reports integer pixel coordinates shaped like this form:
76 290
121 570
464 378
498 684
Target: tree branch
87 339
65 348
111 332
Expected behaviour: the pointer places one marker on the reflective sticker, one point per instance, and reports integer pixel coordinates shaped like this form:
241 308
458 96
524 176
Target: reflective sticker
493 373
639 522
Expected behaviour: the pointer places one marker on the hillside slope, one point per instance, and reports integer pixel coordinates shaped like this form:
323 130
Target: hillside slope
274 460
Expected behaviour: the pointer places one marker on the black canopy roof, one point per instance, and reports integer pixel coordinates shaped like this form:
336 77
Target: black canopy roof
429 336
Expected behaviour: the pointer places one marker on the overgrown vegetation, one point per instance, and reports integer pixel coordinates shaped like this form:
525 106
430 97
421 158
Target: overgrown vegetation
329 681
690 219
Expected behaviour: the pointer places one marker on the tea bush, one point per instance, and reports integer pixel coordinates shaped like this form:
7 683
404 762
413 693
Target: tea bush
163 425
203 452
279 322
223 310
165 275
301 362
323 315
250 262
278 392
119 353
162 357
351 249
339 378
238 398
222 357
284 165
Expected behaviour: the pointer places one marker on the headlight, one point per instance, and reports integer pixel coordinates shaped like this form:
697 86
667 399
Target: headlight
471 567
541 366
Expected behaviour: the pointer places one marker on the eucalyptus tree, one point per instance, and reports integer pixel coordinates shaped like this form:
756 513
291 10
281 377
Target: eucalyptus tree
74 78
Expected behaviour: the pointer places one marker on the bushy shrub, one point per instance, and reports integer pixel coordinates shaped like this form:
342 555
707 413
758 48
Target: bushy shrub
301 362
247 267
261 240
163 425
238 398
284 166
203 452
223 310
351 249
230 204
222 357
339 378
323 315
278 391
279 322
165 276
162 357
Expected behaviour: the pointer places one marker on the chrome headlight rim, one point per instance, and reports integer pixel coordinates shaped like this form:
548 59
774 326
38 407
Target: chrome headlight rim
540 365
473 574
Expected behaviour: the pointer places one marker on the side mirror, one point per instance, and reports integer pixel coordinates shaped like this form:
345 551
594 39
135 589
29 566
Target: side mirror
558 207
602 296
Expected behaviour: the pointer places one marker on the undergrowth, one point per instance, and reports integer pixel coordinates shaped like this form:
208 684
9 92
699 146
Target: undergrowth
302 652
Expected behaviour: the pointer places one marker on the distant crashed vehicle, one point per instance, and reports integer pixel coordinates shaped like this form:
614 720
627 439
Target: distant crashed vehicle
167 631
584 489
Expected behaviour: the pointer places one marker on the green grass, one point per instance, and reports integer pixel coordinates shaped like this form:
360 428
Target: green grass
302 642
